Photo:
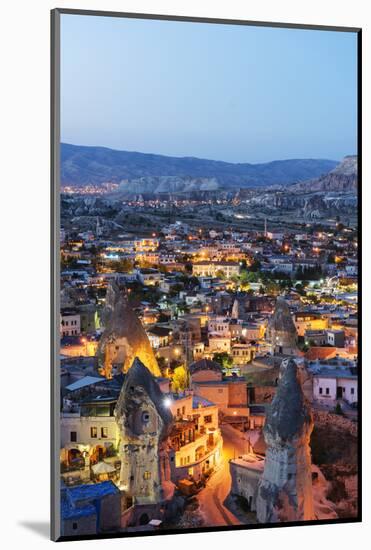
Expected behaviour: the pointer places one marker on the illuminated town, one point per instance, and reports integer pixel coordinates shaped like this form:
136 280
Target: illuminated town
208 346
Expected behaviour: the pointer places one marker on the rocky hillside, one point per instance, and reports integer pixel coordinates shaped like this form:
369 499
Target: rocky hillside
342 178
334 193
82 165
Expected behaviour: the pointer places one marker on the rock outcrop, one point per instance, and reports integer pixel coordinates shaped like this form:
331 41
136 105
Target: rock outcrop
285 490
281 331
144 422
341 179
124 338
235 310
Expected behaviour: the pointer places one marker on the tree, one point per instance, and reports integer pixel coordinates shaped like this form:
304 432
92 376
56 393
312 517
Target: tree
253 276
122 266
179 379
224 359
272 287
255 265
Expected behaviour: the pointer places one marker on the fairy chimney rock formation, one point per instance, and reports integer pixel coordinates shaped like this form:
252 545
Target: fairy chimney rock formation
235 309
285 489
144 422
281 331
124 338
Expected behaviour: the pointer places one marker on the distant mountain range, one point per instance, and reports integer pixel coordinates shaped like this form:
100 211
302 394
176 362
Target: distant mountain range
141 172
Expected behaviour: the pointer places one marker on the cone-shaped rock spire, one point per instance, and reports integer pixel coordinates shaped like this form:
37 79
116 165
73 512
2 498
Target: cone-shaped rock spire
144 422
124 337
285 490
281 331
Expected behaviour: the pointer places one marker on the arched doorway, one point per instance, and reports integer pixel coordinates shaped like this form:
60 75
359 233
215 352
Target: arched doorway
97 454
75 458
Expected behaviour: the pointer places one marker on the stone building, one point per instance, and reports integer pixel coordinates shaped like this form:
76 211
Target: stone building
144 422
228 393
90 509
285 489
246 472
124 338
196 441
281 332
89 433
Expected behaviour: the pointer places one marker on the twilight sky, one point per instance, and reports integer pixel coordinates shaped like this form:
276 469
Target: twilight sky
224 92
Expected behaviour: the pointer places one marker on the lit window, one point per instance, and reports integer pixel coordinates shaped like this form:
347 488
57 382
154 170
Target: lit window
93 432
147 475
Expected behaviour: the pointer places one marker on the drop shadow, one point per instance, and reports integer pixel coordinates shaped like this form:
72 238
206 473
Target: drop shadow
41 528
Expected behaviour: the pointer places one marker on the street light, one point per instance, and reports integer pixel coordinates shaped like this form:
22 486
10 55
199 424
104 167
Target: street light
167 402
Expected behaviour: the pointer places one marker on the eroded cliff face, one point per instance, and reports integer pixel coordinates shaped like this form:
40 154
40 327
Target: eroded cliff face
285 490
124 338
144 423
342 178
334 445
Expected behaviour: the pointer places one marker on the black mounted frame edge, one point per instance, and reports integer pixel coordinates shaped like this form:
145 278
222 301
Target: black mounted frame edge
55 265
196 19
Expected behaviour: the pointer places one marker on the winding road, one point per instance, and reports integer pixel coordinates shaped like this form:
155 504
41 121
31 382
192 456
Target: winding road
212 497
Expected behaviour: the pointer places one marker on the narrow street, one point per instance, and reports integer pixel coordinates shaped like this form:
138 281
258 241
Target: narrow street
211 498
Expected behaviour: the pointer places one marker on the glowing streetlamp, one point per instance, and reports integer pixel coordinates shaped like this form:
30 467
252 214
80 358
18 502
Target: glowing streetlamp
167 402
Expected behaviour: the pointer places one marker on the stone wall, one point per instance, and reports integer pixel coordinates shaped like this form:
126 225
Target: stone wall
237 394
110 513
77 527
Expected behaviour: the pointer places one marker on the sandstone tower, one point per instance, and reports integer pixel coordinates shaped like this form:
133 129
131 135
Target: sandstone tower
124 338
285 489
144 422
281 331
